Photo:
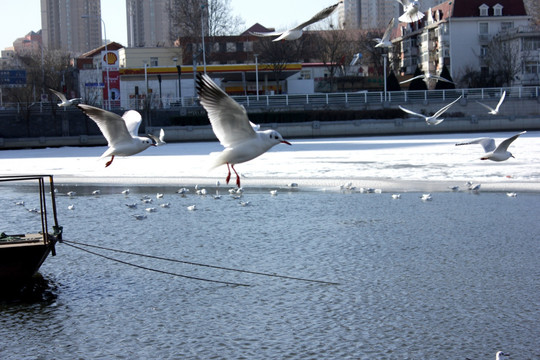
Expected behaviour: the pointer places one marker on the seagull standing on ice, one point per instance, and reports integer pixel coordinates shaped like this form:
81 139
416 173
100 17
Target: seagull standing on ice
296 33
434 119
495 111
385 40
120 131
411 11
232 127
63 101
499 153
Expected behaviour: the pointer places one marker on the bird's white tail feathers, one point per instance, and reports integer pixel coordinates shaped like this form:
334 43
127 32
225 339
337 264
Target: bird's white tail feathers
217 160
409 19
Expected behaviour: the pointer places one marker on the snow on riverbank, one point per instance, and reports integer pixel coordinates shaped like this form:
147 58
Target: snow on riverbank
411 162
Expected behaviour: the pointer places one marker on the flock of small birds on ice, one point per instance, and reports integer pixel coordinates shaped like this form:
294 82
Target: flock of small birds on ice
147 202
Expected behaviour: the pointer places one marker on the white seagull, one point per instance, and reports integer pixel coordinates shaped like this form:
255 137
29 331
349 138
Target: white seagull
427 77
385 40
120 131
495 111
296 33
158 140
499 153
499 354
411 11
232 127
63 101
355 59
434 119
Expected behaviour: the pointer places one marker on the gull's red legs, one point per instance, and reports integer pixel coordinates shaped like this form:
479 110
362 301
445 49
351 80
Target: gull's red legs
110 161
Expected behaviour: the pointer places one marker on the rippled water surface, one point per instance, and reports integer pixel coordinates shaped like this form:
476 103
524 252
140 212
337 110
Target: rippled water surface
453 278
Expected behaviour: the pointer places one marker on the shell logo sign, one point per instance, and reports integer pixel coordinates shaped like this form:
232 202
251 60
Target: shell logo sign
109 59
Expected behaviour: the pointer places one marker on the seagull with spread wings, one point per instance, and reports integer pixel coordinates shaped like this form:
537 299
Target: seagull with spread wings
232 127
433 119
385 40
499 153
426 77
495 111
411 11
120 131
296 33
64 102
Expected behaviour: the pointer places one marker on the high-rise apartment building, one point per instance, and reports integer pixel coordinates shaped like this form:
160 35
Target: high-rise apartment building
71 25
373 14
148 23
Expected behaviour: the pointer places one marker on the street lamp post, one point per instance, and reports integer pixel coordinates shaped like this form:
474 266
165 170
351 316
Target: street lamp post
202 36
257 74
384 72
106 57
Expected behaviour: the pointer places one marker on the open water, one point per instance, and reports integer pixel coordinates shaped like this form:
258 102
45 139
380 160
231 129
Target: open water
453 278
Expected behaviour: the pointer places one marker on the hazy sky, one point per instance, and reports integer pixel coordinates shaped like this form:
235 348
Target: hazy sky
19 17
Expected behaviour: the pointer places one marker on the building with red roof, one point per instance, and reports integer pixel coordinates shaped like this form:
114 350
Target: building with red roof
457 33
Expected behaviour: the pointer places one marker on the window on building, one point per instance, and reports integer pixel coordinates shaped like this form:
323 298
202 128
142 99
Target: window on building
231 47
154 61
483 51
483 28
497 10
483 10
531 44
239 47
305 74
532 67
506 25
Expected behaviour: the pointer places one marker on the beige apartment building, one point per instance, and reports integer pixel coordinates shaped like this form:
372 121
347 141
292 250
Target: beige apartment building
71 25
148 23
373 14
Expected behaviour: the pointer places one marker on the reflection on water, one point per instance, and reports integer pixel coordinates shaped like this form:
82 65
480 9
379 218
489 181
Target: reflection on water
454 277
38 289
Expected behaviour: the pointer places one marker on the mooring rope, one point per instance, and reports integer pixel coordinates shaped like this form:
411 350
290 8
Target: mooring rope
202 265
70 243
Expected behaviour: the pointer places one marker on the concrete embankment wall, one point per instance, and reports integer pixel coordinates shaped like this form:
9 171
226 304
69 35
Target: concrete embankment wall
308 129
465 116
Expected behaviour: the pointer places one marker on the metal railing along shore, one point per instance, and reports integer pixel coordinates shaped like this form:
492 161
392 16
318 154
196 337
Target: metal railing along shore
361 99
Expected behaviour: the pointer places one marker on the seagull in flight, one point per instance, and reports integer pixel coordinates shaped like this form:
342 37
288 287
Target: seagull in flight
232 127
411 11
385 40
426 78
120 131
63 101
499 153
355 59
158 141
433 119
296 33
495 111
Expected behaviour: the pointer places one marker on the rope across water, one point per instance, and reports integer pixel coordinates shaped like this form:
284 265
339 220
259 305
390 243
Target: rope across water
78 245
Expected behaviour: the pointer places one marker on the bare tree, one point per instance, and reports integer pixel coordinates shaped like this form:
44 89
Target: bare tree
335 50
51 71
502 61
278 54
186 16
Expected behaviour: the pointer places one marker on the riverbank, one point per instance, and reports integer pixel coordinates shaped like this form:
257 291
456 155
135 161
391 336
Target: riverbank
393 163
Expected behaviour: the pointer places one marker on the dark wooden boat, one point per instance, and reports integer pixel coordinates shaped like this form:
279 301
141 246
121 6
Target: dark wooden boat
21 255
